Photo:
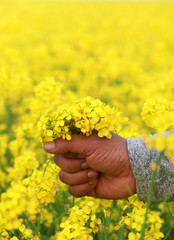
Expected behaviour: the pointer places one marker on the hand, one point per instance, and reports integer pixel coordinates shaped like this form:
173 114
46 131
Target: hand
93 166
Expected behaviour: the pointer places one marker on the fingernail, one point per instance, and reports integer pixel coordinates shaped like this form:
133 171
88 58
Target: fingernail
49 146
84 165
91 174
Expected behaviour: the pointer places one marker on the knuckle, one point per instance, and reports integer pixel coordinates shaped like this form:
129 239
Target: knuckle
74 193
68 168
95 141
56 158
62 176
70 191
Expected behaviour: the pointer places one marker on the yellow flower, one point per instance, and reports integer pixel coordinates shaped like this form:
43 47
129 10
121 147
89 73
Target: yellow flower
86 116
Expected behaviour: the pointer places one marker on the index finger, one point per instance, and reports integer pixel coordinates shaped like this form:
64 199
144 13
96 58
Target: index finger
78 144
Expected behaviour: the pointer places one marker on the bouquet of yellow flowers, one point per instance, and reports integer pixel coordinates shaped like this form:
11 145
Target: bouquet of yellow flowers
85 117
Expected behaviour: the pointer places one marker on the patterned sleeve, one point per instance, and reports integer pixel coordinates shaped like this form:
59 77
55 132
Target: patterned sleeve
140 158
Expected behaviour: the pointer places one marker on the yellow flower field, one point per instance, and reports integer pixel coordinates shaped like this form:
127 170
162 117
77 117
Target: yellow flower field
52 53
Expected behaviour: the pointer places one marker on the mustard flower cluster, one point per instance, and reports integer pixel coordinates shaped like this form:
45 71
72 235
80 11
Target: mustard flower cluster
27 196
14 202
85 117
23 166
43 185
158 114
74 227
162 143
134 219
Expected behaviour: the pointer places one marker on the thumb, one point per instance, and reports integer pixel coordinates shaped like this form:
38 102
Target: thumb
78 144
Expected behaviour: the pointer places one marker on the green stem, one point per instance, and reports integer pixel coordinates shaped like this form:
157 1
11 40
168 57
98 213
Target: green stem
152 183
73 202
38 224
48 162
167 234
9 117
30 224
170 213
108 221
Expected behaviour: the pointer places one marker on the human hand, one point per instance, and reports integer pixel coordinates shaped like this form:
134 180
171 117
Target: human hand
107 160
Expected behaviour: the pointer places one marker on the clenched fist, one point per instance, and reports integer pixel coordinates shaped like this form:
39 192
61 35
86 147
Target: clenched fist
93 166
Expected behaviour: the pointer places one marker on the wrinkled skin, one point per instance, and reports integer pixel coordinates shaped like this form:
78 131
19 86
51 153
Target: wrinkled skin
93 166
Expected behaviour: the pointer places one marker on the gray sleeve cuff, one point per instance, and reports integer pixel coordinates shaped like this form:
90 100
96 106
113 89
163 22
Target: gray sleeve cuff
140 158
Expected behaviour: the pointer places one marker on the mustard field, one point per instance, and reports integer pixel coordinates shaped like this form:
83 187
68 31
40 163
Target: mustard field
54 53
